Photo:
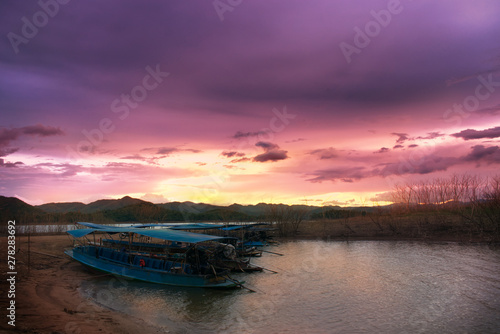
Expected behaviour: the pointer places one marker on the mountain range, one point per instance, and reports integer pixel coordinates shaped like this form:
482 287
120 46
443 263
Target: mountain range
128 209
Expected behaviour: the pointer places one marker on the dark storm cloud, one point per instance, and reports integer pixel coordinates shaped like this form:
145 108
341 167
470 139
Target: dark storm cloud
274 155
480 153
88 54
471 134
427 164
228 76
9 135
272 152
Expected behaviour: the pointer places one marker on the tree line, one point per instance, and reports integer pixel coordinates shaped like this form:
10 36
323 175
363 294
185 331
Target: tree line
473 200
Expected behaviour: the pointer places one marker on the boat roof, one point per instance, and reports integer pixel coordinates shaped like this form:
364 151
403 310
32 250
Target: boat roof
242 226
184 226
174 226
163 234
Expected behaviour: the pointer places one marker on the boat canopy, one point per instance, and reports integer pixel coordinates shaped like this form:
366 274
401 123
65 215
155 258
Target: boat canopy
242 226
184 226
174 226
163 234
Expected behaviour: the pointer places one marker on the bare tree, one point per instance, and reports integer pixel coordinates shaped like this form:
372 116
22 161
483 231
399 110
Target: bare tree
286 219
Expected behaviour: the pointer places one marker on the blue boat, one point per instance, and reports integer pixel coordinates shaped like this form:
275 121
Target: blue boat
148 266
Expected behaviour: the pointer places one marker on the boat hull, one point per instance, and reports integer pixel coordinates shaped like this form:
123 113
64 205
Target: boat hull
84 256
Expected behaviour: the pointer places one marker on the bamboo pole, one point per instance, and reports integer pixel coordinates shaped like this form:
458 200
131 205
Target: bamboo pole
273 253
29 251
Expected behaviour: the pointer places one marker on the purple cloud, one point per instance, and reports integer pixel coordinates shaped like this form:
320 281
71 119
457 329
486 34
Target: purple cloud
431 135
481 153
240 160
266 145
272 152
63 169
382 150
12 134
10 164
344 174
41 130
274 155
325 153
230 154
240 134
402 137
471 134
166 151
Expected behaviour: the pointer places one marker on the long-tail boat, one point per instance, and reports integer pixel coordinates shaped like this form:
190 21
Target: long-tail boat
154 267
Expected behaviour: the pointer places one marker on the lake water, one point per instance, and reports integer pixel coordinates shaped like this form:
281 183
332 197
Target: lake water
331 287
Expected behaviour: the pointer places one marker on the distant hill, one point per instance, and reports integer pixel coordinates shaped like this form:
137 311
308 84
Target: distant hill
111 204
128 209
100 205
189 207
62 207
12 208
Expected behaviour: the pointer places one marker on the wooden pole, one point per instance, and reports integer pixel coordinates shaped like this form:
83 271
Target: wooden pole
239 284
275 272
29 251
273 253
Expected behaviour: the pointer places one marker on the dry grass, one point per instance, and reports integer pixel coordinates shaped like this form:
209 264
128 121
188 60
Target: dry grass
440 227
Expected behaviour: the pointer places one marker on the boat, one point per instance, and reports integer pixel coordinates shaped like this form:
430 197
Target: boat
149 266
220 254
238 263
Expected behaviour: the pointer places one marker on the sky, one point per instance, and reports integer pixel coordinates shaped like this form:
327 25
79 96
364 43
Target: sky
236 101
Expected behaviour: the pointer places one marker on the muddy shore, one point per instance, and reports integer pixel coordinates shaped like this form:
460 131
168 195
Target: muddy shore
47 299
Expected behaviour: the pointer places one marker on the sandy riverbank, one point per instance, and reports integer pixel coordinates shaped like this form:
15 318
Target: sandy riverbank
47 297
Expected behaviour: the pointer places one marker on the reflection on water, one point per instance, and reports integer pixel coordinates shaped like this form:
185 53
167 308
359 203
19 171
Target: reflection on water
331 287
